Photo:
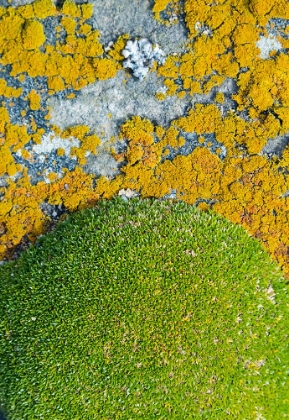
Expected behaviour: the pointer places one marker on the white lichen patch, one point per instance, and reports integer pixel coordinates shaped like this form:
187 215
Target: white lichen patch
50 142
105 104
270 294
140 55
127 193
203 29
268 44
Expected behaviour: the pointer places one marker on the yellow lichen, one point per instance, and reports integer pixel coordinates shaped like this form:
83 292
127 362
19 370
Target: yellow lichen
32 34
116 50
60 152
34 100
44 8
105 68
71 9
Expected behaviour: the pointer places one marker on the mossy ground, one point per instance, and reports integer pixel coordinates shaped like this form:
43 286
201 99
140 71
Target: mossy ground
144 309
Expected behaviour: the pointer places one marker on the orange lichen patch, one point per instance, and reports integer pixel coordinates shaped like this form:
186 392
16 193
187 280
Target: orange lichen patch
10 28
89 142
17 222
220 97
203 206
172 138
2 10
85 29
34 100
70 8
74 190
170 68
36 137
32 34
160 96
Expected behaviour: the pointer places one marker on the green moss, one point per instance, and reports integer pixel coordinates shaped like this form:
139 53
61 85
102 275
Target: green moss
144 309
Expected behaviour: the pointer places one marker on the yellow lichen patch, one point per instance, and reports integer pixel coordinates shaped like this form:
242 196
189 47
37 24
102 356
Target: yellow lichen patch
69 24
7 91
90 143
160 96
171 137
52 176
55 84
36 137
7 164
16 136
4 118
71 9
34 100
202 119
74 190
170 68
25 154
60 151
116 50
10 28
105 68
32 34
78 131
86 10
85 29
44 8
79 153
138 131
219 97
162 5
